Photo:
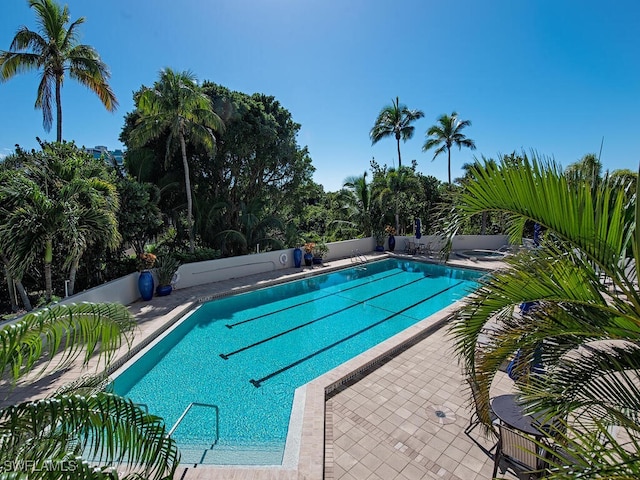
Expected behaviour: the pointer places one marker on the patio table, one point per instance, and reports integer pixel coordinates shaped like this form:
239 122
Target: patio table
510 412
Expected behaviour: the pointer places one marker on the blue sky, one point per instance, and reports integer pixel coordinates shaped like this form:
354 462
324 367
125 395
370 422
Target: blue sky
554 76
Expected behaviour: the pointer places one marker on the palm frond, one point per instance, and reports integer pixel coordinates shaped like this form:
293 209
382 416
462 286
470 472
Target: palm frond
102 429
584 331
60 334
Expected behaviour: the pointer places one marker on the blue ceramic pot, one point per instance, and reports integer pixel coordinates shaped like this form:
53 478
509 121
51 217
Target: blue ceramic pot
297 257
308 259
392 243
317 260
145 285
163 290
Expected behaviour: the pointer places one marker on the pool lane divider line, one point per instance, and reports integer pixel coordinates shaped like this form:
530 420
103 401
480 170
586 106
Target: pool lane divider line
257 383
225 356
231 325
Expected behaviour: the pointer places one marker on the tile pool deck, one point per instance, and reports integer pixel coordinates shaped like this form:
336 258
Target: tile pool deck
380 423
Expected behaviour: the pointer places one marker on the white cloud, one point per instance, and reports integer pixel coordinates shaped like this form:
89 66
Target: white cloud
4 152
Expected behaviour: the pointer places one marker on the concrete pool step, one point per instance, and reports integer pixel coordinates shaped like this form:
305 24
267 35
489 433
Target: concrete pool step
221 455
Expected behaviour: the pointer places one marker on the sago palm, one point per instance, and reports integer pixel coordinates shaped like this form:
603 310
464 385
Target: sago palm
55 51
177 108
75 433
446 134
395 120
586 321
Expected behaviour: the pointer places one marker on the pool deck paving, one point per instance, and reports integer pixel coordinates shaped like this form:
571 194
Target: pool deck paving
389 417
406 420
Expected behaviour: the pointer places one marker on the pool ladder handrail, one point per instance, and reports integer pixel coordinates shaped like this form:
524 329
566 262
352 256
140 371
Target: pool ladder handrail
186 410
357 257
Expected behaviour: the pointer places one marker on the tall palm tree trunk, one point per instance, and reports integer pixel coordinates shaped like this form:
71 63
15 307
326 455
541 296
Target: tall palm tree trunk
449 163
58 109
73 270
187 185
397 215
23 295
18 284
397 221
398 142
12 293
48 259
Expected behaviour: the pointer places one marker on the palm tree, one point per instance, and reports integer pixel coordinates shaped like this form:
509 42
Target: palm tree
80 428
468 169
177 107
588 167
57 198
55 50
94 218
447 134
395 119
586 324
258 229
32 221
394 186
360 198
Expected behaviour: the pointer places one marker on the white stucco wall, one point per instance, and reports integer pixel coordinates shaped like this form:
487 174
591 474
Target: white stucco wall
121 290
125 289
199 273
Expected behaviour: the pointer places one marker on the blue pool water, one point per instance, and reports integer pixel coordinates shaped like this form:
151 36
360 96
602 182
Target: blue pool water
246 354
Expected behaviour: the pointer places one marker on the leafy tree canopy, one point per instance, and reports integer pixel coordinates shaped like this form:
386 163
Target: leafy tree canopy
257 167
55 203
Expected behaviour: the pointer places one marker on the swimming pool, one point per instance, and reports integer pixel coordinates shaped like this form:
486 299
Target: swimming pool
240 358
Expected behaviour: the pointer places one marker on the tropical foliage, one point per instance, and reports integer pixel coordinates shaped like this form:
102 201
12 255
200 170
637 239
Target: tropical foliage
588 168
55 51
396 188
246 193
261 175
446 134
166 268
585 325
177 108
359 199
395 120
56 201
139 218
401 195
79 431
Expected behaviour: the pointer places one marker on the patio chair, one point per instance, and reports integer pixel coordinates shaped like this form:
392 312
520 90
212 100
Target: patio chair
476 419
424 249
520 453
409 247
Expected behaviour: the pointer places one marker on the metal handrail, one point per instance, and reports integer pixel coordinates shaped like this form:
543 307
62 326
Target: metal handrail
186 410
357 257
